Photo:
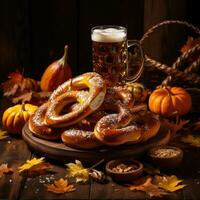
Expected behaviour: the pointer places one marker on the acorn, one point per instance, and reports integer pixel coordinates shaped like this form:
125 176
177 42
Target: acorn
139 91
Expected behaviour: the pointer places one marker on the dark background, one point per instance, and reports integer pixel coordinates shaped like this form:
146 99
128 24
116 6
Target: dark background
33 32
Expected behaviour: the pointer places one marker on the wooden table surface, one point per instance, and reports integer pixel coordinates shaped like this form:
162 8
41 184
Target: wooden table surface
13 186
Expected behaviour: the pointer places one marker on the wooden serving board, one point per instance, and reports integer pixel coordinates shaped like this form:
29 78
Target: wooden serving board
59 151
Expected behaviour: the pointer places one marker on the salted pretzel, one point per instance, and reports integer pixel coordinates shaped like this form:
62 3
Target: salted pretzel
89 101
37 123
116 100
126 126
38 127
65 95
148 123
81 136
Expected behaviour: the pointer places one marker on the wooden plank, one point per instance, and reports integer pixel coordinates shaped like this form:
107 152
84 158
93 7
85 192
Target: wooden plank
53 25
35 188
14 37
161 43
14 152
190 172
164 44
112 190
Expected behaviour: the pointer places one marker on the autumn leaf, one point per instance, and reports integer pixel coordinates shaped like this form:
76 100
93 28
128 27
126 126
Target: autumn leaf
13 83
60 186
193 140
77 171
145 184
17 85
191 42
175 126
5 169
30 163
3 134
169 183
36 98
24 98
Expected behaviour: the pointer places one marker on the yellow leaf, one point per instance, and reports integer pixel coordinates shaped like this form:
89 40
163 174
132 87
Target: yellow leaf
77 171
30 163
60 186
3 134
191 139
169 183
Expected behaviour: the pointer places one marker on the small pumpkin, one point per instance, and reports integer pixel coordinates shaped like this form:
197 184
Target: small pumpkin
16 116
138 90
56 73
169 100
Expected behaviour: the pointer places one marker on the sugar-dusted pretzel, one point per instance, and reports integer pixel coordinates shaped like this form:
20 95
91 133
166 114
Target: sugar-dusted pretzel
86 92
38 127
91 90
81 135
116 100
123 127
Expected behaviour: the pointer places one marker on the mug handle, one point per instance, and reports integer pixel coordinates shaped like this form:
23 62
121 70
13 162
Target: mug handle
135 77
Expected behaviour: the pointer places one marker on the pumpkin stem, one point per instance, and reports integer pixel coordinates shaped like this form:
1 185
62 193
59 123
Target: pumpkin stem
23 107
65 56
168 90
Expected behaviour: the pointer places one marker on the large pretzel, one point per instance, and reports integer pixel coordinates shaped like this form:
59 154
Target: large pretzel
38 127
117 129
37 122
96 87
86 102
116 100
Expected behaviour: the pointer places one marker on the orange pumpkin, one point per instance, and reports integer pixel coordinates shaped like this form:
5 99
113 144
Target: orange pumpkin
56 73
16 116
169 100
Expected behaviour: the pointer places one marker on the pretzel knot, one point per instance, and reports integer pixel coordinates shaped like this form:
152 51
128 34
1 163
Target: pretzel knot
86 115
84 94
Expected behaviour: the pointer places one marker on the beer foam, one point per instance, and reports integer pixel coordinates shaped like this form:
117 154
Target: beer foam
108 35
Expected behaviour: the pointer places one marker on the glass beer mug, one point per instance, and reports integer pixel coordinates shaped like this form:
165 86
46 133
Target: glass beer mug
110 55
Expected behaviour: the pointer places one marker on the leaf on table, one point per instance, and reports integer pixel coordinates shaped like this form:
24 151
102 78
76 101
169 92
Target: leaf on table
145 184
13 83
36 98
76 170
60 186
169 183
5 169
17 85
31 163
24 98
3 134
190 43
175 126
193 140
40 169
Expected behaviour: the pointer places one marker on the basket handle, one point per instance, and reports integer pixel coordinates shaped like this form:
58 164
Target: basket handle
167 22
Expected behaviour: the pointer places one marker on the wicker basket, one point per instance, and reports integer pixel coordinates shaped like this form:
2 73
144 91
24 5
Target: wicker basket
175 74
